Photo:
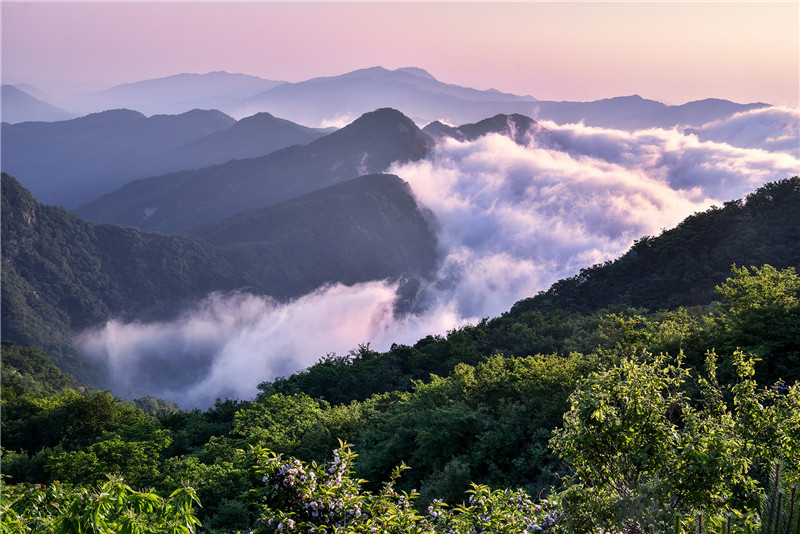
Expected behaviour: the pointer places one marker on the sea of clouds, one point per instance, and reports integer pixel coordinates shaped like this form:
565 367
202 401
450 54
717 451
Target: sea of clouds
511 220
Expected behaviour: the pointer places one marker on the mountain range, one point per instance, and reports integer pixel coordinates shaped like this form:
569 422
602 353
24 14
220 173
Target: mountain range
171 95
185 200
337 100
71 162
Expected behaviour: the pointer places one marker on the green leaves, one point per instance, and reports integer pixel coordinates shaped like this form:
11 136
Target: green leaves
113 508
642 450
760 313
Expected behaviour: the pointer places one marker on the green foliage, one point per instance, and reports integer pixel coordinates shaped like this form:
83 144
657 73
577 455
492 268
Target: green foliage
760 301
27 370
113 508
643 451
69 419
489 424
279 422
364 372
137 461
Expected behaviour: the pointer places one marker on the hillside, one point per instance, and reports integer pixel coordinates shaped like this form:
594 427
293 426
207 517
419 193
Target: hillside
182 201
367 228
520 402
62 274
682 266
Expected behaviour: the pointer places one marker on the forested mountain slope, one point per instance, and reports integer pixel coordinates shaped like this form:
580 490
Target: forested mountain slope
367 228
62 274
681 266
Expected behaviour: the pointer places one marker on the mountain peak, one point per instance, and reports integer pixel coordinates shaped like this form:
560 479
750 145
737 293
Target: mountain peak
518 127
381 118
416 71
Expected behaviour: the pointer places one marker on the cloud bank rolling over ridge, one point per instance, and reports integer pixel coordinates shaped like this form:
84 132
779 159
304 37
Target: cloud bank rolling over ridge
511 220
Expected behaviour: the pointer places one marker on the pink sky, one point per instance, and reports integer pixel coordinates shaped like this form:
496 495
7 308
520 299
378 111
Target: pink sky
672 52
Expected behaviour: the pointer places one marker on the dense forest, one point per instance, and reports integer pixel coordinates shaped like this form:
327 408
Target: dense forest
655 393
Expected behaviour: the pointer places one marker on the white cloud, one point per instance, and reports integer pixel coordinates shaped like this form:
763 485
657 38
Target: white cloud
340 120
774 128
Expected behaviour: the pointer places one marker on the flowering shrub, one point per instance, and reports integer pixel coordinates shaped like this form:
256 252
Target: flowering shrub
301 497
503 511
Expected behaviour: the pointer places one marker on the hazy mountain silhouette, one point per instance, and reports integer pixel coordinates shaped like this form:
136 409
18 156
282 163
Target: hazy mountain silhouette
636 113
173 94
21 106
250 137
336 100
181 201
419 95
71 162
422 97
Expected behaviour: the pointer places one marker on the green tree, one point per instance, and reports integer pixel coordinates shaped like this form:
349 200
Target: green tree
760 313
642 451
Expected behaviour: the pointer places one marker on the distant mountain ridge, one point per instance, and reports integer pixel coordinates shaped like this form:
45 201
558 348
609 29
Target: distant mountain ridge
74 161
18 105
182 201
636 113
330 100
173 94
415 92
517 127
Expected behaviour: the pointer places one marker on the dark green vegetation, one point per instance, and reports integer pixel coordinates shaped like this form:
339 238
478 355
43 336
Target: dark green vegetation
624 418
62 274
185 200
74 161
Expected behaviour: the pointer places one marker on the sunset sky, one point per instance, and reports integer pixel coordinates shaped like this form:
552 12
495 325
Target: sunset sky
672 52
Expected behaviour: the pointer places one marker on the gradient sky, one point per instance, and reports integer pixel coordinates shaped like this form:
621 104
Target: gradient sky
672 52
